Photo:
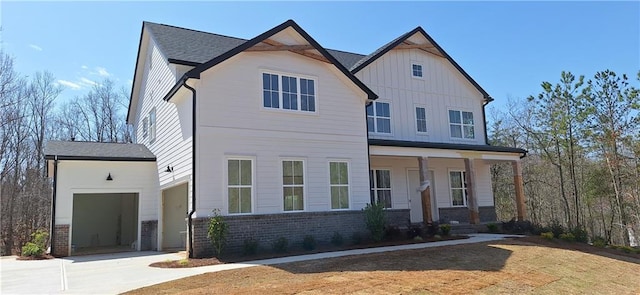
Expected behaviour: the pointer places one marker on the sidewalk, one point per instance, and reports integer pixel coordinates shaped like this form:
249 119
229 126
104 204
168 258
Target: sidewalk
120 272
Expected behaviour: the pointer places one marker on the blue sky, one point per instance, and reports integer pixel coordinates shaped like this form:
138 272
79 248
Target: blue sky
509 48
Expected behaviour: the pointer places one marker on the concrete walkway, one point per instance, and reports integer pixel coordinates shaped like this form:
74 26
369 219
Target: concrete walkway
120 272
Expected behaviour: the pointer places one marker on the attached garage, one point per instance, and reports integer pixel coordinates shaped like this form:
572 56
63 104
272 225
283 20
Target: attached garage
105 197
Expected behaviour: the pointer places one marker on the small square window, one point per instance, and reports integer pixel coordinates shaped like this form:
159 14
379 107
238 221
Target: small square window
416 70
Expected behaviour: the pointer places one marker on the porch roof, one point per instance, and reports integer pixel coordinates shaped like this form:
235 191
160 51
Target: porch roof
97 151
447 146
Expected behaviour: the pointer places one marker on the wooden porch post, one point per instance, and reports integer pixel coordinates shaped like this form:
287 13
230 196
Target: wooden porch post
472 201
425 191
517 181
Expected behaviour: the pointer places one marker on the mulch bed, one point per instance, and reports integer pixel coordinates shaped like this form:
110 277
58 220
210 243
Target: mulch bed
232 258
582 247
42 257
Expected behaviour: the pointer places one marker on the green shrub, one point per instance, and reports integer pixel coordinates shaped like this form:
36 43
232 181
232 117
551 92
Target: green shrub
337 239
556 228
445 229
217 233
309 243
569 237
280 245
547 235
250 247
492 227
580 235
599 242
375 220
38 244
417 238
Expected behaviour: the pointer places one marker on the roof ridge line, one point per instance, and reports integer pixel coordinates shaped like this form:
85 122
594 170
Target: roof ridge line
193 30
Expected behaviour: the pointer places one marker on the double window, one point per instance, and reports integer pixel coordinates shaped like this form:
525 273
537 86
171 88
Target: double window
339 182
458 182
380 181
239 185
288 92
461 124
379 117
293 185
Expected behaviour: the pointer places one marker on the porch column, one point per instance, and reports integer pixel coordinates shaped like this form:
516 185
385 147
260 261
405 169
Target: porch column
517 181
425 191
472 196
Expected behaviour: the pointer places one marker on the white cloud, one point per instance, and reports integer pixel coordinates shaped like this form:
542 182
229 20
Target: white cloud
35 47
102 72
130 81
84 67
86 81
69 84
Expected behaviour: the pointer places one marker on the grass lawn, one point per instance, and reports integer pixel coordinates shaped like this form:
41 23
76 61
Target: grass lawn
517 266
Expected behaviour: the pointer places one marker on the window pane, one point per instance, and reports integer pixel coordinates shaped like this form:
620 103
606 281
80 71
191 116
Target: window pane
456 197
344 173
334 173
245 172
289 93
370 110
384 125
454 117
298 198
421 122
469 132
456 131
287 172
383 178
335 197
467 118
384 197
370 125
274 82
344 197
245 200
234 204
456 179
233 171
311 87
298 172
382 109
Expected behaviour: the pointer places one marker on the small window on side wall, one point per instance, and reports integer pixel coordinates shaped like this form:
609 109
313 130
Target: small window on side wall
416 70
152 125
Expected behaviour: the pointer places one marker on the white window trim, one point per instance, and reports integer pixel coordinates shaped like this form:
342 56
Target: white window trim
464 188
391 184
153 125
475 135
305 199
280 73
421 67
329 161
145 127
375 123
225 182
426 118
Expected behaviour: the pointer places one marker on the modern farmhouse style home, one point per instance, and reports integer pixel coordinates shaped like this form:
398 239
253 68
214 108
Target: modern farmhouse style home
285 138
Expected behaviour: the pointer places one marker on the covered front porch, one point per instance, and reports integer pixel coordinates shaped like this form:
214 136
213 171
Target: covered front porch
448 183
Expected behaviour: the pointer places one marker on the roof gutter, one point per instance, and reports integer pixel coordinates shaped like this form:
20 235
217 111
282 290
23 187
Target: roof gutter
53 204
193 168
485 102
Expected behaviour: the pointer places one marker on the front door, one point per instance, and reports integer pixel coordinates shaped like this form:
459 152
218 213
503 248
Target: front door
415 199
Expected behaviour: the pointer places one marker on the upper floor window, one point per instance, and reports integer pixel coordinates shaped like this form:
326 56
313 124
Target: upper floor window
145 127
293 185
152 125
379 117
416 70
380 181
458 188
461 124
288 92
421 120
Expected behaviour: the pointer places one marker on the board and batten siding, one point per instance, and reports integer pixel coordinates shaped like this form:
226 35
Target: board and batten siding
232 122
172 145
440 167
441 88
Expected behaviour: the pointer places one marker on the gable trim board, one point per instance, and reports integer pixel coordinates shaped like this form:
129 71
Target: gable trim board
195 72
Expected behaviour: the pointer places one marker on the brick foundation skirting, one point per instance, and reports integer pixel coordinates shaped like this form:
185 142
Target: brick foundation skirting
149 235
266 228
61 243
461 214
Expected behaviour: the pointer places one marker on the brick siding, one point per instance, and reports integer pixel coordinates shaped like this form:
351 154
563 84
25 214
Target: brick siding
149 235
61 243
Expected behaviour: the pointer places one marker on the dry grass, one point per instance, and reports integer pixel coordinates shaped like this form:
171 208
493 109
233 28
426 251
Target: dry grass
505 267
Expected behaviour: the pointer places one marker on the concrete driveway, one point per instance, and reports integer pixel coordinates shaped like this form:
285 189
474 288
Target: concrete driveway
120 272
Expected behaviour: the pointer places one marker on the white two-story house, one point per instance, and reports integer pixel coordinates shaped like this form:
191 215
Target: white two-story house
282 137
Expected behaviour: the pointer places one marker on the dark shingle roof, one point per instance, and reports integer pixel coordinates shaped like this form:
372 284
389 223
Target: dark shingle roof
380 51
347 59
84 150
186 45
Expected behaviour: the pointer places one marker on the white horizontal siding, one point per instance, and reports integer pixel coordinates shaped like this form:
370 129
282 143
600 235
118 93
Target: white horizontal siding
441 88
